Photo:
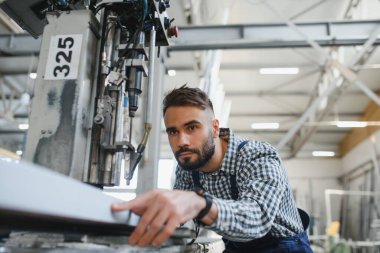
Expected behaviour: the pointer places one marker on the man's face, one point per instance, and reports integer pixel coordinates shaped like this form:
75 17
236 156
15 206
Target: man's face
191 132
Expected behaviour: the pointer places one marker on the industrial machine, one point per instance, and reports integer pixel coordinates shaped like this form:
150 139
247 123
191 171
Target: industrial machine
94 58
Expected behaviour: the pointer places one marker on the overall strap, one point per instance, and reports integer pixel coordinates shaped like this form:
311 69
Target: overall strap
234 188
241 145
196 181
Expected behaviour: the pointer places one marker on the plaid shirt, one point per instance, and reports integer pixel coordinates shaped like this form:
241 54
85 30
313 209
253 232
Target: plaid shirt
265 202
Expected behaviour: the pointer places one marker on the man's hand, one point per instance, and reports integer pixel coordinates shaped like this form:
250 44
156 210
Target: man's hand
161 212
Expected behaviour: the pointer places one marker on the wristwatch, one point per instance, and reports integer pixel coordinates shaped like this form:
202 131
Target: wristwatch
205 210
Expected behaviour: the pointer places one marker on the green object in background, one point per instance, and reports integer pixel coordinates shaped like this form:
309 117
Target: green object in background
339 247
311 225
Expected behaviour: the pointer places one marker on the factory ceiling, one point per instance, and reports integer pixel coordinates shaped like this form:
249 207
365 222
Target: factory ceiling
326 51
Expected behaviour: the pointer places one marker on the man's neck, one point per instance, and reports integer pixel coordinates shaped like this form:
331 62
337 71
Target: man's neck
215 163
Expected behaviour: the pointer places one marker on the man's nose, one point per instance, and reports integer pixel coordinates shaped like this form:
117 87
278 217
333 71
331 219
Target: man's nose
183 140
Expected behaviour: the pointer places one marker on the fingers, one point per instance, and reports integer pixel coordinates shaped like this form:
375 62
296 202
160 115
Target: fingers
165 232
156 226
161 212
121 206
145 224
156 232
137 205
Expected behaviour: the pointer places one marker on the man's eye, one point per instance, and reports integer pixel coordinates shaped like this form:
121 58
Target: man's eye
172 132
192 128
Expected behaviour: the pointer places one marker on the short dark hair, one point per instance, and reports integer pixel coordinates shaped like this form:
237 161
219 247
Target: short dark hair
186 96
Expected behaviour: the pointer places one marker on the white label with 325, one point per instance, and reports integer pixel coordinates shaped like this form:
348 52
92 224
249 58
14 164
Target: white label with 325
63 57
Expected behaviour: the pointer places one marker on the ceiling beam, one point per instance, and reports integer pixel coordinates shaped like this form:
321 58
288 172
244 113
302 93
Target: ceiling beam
284 93
240 66
19 44
5 131
295 115
243 36
335 91
284 131
298 134
246 115
9 23
12 65
242 132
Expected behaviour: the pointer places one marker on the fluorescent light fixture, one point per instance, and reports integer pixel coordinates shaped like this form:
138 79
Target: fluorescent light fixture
323 153
25 99
351 124
347 124
19 152
279 71
172 72
23 126
33 75
269 125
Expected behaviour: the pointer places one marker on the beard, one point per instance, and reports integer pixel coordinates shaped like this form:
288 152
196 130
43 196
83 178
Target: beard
203 155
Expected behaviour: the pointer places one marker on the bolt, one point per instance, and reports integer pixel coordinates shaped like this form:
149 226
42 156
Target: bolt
99 119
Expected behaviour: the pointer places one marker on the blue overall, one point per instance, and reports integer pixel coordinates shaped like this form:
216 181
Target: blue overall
267 244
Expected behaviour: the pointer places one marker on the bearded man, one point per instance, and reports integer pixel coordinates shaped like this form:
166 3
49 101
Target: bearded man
235 187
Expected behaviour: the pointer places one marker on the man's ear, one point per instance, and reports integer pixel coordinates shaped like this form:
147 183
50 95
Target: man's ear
215 126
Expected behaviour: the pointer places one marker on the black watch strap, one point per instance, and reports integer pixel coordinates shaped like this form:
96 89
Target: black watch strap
205 210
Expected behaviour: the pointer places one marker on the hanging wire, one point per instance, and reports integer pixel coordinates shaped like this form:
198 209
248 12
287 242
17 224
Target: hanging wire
197 228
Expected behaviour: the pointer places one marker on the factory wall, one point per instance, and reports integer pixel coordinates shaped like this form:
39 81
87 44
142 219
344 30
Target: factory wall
362 153
361 173
309 179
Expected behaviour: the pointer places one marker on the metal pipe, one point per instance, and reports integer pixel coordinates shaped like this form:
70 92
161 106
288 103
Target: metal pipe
368 44
152 52
329 192
367 91
135 78
353 78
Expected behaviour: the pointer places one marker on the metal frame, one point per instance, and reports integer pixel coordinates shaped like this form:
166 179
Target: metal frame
19 44
330 192
296 136
343 33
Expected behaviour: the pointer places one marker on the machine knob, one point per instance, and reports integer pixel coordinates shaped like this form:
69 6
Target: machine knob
173 31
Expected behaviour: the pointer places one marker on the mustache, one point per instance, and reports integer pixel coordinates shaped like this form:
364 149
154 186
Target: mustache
185 149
